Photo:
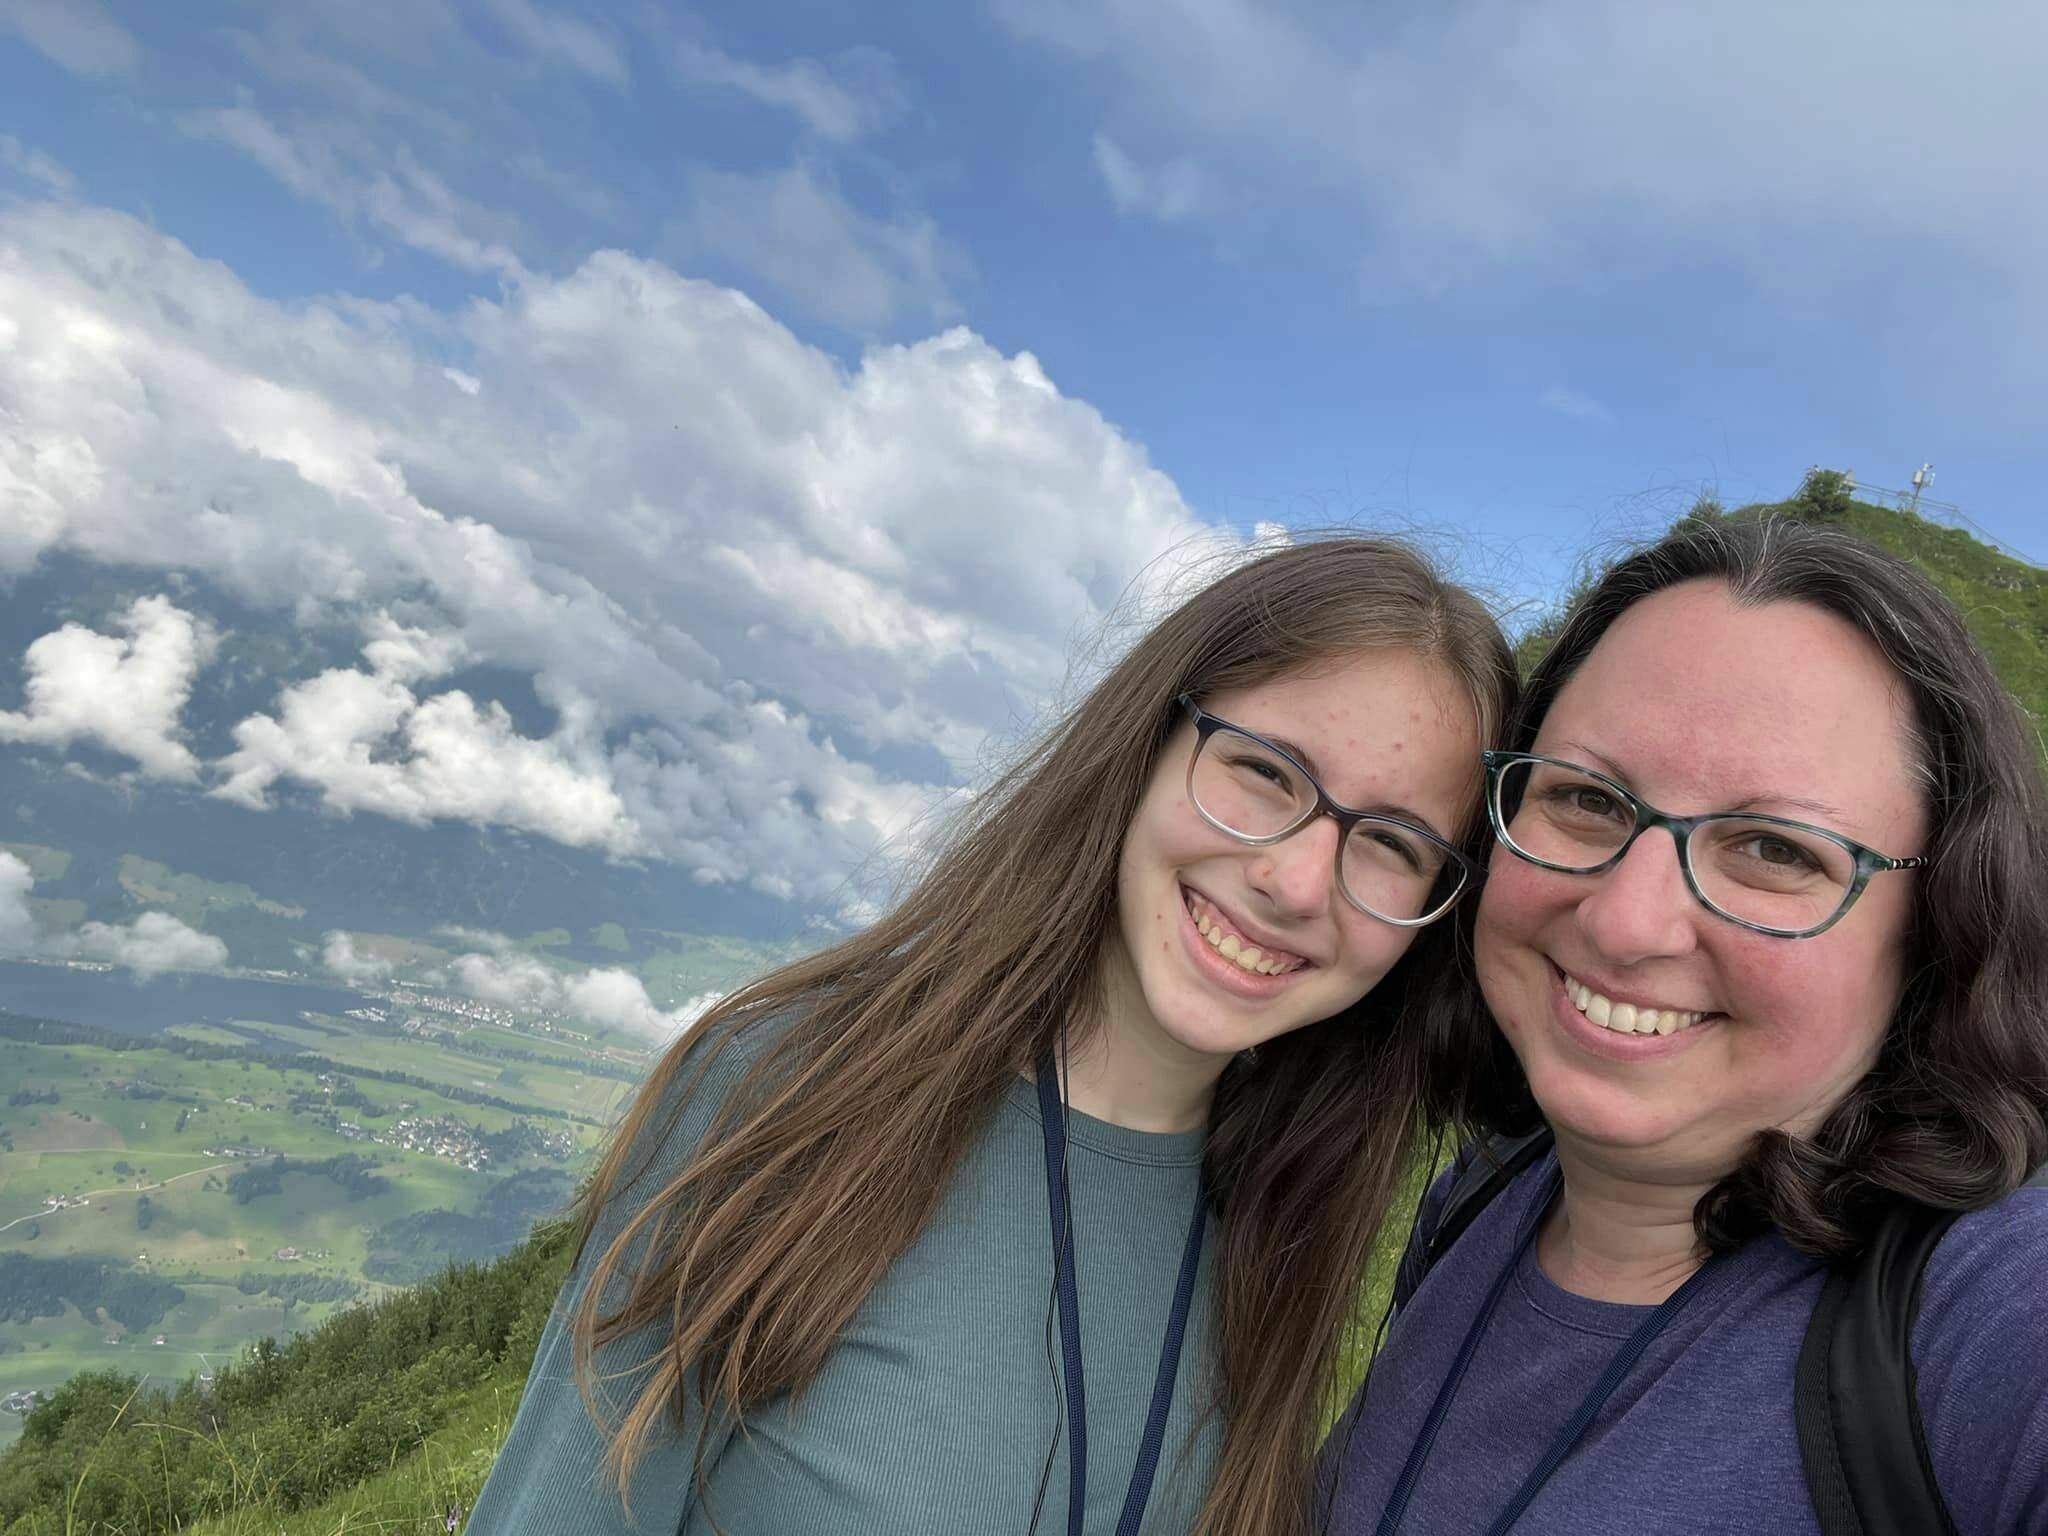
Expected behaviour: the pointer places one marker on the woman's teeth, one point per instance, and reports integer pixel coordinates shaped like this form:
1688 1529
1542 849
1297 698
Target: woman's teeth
1248 957
1627 1018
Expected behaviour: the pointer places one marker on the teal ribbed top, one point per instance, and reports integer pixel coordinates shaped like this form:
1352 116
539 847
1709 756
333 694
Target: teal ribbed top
933 1414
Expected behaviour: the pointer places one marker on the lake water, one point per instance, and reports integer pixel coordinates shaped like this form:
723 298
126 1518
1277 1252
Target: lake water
115 1000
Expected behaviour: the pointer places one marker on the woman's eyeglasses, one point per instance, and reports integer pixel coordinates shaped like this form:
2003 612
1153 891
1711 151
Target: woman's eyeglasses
1769 875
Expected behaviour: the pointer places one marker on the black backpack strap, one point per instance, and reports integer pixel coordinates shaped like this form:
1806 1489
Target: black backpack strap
1484 1169
1856 1397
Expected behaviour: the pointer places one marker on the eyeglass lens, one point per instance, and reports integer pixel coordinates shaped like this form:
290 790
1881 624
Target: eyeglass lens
1253 791
1755 871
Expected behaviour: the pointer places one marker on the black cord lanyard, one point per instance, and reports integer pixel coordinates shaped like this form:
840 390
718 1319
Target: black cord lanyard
1052 1122
1575 1428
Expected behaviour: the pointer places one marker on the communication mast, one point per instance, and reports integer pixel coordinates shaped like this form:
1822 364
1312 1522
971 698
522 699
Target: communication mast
1923 477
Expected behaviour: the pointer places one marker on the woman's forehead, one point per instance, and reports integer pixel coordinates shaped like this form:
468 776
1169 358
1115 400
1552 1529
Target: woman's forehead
1690 693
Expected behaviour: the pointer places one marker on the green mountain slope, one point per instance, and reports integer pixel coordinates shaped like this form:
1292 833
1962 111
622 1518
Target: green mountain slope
2005 600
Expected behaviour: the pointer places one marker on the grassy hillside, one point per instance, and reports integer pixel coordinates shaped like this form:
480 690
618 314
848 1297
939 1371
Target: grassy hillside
377 1420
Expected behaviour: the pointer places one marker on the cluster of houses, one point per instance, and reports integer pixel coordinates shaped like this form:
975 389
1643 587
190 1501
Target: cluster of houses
435 1137
23 1402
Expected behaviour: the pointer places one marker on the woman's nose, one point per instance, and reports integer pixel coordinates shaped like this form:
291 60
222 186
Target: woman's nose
1642 909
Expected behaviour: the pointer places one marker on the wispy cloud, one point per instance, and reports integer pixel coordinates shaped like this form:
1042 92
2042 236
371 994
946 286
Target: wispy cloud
841 99
27 160
1576 404
1171 192
795 232
81 35
400 197
553 37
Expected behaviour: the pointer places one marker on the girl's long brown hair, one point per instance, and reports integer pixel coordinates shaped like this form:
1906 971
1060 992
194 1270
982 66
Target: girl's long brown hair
826 1162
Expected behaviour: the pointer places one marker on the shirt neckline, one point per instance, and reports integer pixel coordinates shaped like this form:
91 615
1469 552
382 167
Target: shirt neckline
1165 1149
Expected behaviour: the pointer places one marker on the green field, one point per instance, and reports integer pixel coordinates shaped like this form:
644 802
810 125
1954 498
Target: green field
130 1131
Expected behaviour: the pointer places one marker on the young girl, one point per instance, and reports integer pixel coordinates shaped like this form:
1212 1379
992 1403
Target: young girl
1041 1205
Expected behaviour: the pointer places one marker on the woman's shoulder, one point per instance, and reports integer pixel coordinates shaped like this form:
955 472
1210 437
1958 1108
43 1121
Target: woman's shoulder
1983 1278
1980 1353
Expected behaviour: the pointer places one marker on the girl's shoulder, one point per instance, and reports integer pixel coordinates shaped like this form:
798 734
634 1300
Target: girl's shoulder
696 1077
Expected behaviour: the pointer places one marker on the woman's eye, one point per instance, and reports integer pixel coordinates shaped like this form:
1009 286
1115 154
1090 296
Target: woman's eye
1776 851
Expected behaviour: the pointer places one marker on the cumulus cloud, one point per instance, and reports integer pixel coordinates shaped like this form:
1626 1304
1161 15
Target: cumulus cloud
602 995
740 574
123 694
17 927
339 955
367 743
152 944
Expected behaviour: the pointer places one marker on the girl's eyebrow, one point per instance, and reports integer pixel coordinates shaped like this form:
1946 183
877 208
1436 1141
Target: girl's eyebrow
1613 770
1384 808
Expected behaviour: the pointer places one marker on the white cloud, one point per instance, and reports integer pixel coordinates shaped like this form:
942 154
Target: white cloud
389 191
839 100
339 955
1496 136
367 743
553 37
734 569
1172 192
154 943
27 160
125 695
602 995
1576 404
17 926
795 230
79 34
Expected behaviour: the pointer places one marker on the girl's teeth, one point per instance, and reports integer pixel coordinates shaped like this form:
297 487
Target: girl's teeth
1249 957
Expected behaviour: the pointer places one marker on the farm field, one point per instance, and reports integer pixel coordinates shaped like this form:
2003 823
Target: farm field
166 1201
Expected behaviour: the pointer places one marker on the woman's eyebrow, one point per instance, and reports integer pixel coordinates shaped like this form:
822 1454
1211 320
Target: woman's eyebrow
1613 770
1798 803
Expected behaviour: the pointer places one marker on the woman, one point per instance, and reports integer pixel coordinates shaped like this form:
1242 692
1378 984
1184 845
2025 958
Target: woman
1821 997
902 1228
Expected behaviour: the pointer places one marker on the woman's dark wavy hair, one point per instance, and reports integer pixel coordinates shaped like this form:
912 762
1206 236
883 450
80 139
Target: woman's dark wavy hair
1955 1112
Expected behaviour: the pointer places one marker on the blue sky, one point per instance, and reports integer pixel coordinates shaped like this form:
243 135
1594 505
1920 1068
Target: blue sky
1292 330
934 324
